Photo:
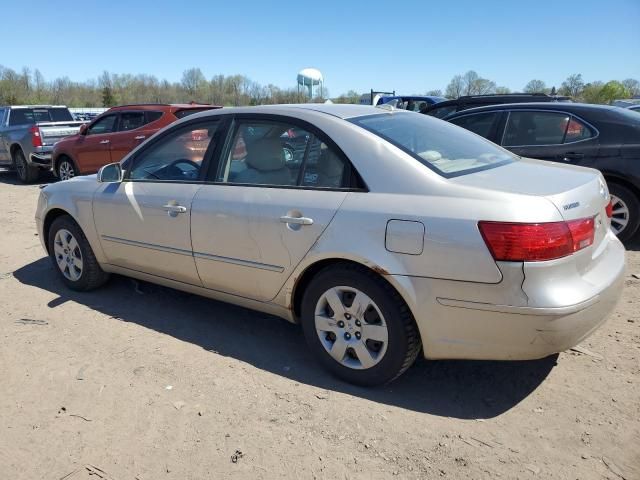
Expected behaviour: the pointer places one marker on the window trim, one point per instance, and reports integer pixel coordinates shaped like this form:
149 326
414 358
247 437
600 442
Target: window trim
571 115
206 159
238 118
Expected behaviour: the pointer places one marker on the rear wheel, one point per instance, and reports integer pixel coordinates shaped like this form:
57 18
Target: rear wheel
625 219
26 173
66 169
73 257
358 326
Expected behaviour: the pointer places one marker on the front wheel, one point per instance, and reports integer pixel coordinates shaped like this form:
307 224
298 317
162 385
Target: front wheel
625 218
358 326
73 257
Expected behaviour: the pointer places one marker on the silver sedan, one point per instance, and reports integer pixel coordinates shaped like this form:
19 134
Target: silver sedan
386 234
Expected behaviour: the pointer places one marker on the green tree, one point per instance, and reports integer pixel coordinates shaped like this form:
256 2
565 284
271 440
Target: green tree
632 85
107 97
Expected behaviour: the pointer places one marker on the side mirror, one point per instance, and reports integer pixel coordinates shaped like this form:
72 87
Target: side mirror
83 129
111 173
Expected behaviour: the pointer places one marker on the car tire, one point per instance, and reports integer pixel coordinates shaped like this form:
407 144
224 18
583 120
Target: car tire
369 303
66 169
26 173
626 212
72 256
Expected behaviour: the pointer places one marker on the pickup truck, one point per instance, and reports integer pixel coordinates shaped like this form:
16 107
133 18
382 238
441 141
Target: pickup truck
27 136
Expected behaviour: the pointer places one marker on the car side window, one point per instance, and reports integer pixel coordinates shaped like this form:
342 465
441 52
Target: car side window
480 123
442 111
131 121
265 153
535 128
104 125
176 157
577 131
323 168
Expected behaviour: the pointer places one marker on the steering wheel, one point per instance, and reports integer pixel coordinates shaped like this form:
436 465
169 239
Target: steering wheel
186 161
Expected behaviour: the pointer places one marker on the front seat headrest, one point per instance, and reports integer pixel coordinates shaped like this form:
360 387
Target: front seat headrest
266 155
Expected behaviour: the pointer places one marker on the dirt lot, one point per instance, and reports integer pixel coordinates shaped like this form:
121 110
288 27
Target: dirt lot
142 382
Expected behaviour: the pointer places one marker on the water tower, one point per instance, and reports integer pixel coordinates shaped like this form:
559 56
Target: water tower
310 79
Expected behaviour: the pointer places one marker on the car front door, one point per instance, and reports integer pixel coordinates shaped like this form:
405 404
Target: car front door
144 221
93 148
276 188
548 135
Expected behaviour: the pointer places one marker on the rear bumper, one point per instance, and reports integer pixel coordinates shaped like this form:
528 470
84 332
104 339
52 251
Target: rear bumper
456 328
41 157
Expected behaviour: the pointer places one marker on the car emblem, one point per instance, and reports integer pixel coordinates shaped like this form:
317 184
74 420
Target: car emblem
569 206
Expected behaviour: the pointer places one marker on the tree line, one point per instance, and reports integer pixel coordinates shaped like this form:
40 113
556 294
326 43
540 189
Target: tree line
574 86
30 87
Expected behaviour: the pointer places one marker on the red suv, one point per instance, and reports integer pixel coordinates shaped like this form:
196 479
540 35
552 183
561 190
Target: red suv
112 135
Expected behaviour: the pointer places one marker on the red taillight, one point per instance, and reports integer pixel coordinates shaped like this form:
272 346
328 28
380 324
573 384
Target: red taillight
36 140
534 242
609 209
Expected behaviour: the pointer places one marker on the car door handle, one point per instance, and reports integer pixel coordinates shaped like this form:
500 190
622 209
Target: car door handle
174 208
571 156
140 137
296 220
104 141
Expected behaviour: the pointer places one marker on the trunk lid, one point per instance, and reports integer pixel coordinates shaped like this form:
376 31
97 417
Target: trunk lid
52 132
576 192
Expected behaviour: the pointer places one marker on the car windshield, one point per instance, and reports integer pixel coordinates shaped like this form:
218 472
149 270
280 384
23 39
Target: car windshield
441 146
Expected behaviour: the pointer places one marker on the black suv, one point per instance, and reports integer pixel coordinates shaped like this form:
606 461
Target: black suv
596 136
442 109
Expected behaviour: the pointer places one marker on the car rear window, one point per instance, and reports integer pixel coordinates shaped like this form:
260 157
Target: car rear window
22 116
189 111
445 148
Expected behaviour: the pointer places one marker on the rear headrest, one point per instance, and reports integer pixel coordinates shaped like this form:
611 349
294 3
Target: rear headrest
265 155
329 164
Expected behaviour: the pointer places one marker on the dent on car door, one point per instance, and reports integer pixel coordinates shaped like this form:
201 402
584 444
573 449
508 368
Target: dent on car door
265 211
144 221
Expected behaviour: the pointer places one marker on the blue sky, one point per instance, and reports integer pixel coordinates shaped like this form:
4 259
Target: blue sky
409 46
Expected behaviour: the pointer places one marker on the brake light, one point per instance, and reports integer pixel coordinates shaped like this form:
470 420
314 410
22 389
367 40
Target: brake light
535 242
36 140
609 209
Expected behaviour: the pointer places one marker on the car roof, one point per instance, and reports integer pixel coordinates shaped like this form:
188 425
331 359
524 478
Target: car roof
338 110
562 106
163 106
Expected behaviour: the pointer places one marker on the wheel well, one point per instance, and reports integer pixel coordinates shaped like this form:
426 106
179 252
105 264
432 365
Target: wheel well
306 277
58 159
620 181
14 148
48 220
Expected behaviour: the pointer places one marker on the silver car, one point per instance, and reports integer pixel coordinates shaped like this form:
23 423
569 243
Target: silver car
386 234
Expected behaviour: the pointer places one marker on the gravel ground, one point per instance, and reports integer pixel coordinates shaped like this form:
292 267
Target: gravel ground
136 381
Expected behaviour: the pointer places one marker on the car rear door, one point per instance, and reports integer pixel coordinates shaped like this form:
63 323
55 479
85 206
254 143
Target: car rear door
144 221
268 202
550 135
92 150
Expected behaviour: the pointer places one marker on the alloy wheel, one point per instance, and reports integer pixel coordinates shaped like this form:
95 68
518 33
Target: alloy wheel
68 255
66 170
620 215
351 327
